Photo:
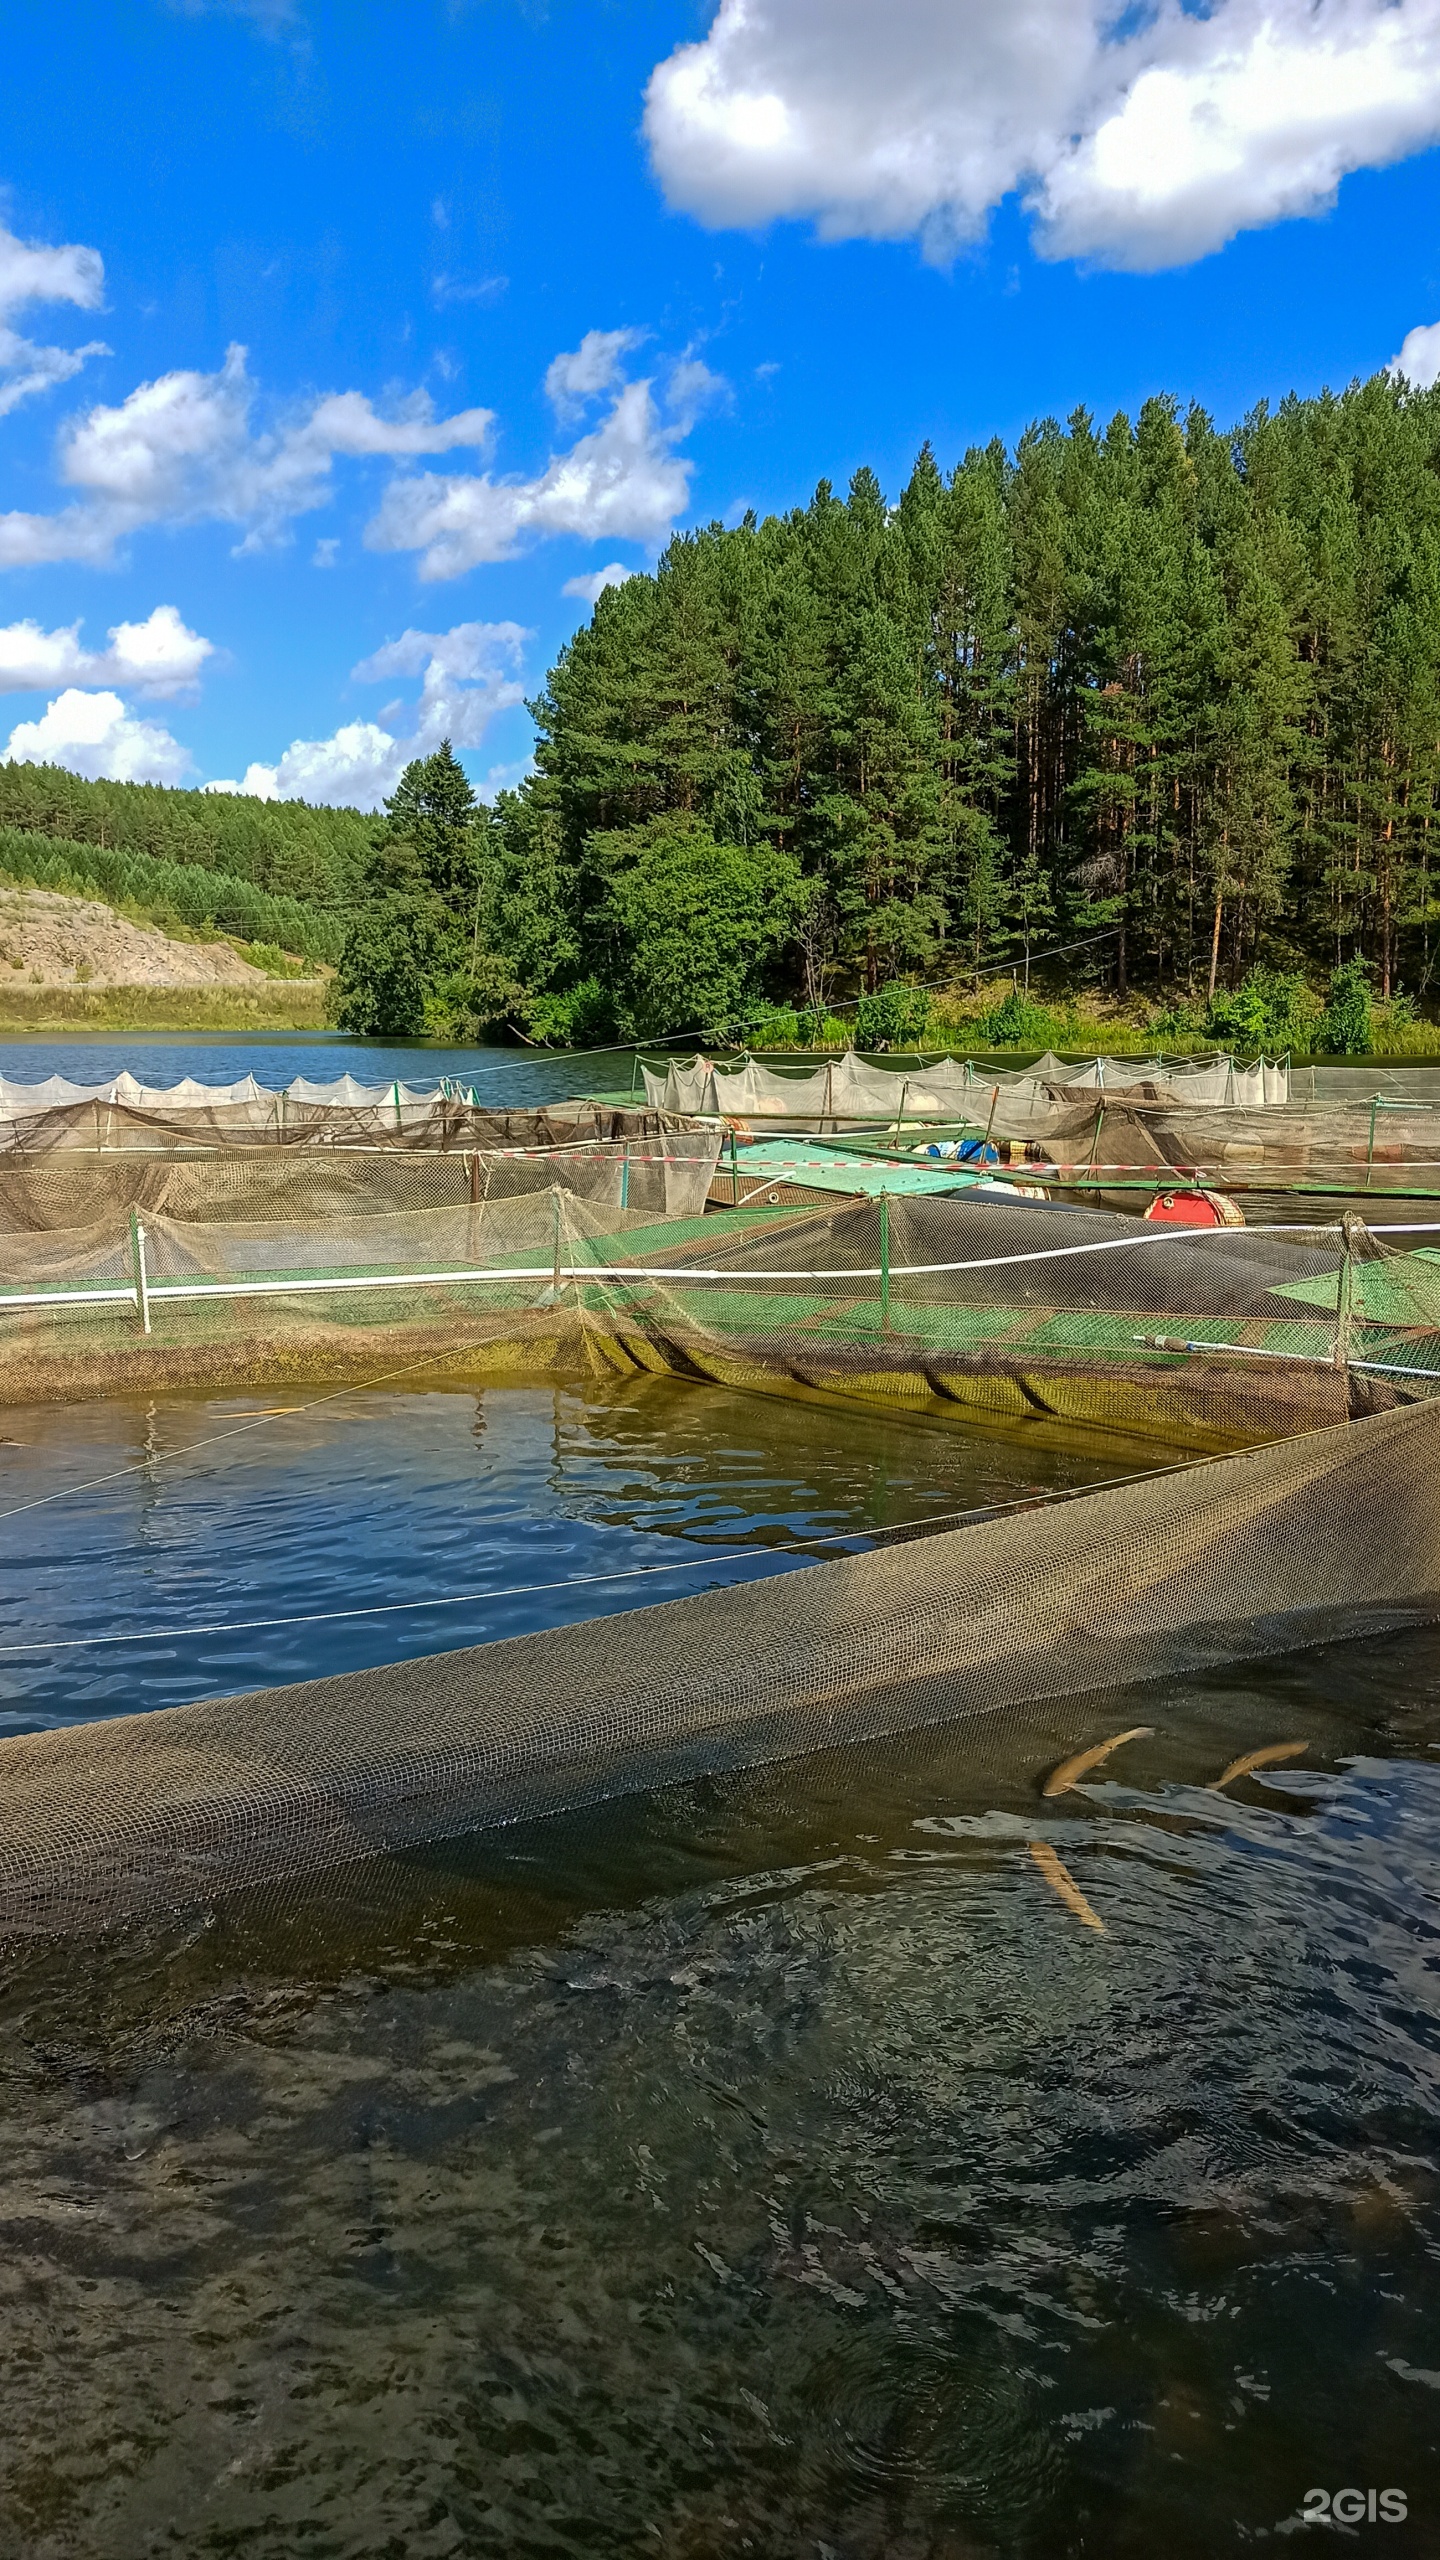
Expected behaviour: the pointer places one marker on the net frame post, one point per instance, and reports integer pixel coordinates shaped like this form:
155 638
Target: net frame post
1345 1296
884 1261
142 1278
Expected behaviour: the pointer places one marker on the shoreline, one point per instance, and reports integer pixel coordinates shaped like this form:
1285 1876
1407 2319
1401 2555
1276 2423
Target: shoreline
287 1004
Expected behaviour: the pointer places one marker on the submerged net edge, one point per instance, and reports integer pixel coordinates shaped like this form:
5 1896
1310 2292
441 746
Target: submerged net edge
1332 1534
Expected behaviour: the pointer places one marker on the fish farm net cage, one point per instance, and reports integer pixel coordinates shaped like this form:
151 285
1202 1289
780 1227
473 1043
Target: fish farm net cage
1111 1130
854 1087
1006 1308
1335 1532
1303 1360
153 1239
80 1164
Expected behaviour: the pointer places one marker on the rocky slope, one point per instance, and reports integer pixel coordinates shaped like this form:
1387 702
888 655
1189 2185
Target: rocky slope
49 940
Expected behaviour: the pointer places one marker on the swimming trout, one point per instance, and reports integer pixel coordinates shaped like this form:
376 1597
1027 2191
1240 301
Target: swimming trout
1249 1760
1055 1872
1070 1772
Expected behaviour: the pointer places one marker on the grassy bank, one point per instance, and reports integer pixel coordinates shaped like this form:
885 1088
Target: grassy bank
1269 1014
296 1004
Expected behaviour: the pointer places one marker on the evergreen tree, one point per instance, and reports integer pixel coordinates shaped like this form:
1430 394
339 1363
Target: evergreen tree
1165 692
429 837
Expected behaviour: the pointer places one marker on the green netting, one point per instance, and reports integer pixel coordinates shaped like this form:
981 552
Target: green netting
1002 1306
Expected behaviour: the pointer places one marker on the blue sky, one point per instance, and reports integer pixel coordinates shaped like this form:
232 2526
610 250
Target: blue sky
505 324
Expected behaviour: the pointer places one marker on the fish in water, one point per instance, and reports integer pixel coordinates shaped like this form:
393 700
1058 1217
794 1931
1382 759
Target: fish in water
1055 1872
1070 1772
1249 1760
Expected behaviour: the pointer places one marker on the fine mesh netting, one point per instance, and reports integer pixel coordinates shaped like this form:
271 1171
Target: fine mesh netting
1334 1533
1355 1147
666 1171
1102 1128
204 1125
850 1087
1008 1308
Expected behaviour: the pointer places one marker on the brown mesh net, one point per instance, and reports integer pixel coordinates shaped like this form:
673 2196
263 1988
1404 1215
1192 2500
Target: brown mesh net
181 1171
1003 1307
1330 1534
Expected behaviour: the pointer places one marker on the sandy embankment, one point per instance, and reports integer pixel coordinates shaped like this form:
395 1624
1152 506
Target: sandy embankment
50 940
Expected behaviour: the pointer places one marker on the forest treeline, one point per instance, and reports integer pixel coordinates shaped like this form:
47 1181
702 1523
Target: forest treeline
1173 684
1164 692
1161 698
286 848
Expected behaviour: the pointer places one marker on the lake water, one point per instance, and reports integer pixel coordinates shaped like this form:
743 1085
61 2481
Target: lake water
770 2166
512 1077
276 1515
775 2166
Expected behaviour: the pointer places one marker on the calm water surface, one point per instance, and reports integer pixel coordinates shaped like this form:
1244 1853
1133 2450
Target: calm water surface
321 1531
773 2166
506 1076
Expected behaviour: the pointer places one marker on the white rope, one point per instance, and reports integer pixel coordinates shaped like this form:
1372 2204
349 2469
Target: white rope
497 1277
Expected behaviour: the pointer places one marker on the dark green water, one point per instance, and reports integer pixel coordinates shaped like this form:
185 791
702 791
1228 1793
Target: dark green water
776 2166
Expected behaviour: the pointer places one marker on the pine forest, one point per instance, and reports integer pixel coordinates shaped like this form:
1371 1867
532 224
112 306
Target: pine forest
1147 714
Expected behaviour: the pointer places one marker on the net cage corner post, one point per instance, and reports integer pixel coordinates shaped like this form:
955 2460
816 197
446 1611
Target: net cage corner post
138 1268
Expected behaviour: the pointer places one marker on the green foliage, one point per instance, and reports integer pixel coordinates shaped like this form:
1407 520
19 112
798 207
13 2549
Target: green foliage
429 838
473 1001
1016 1023
275 962
1170 685
894 1017
1348 1026
691 923
1270 1011
284 848
581 1018
170 894
778 1027
394 952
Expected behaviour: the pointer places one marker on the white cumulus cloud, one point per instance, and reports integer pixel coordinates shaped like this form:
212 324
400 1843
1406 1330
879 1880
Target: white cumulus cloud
1419 358
467 676
354 769
622 480
596 365
591 589
185 448
158 657
33 271
1140 148
94 734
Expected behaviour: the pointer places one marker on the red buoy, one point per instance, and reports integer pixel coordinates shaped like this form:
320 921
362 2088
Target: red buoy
1195 1209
